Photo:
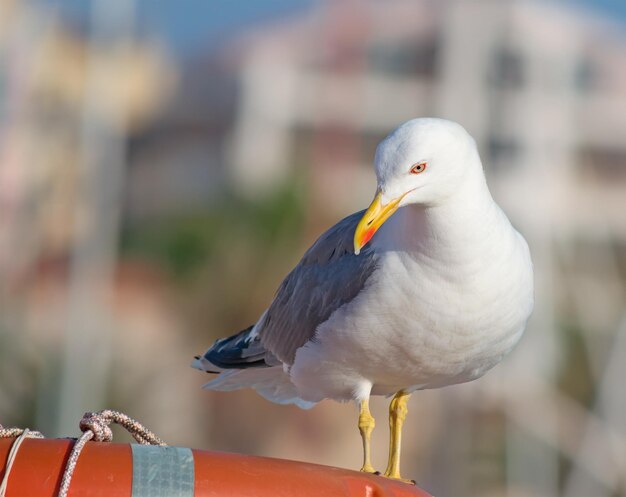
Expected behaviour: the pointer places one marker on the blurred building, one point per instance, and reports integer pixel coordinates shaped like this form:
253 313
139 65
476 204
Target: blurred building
177 163
518 74
68 105
49 74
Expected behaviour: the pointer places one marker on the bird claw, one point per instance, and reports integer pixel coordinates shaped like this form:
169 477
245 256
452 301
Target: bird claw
370 470
399 478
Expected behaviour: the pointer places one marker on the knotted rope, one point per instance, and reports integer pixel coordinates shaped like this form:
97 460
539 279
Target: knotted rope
95 426
21 434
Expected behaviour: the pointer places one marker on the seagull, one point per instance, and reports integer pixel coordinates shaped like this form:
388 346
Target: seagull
430 286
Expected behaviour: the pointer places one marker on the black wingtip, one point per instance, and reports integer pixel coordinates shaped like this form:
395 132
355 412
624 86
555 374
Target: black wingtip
196 357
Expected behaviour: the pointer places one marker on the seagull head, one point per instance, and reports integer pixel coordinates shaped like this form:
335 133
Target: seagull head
423 162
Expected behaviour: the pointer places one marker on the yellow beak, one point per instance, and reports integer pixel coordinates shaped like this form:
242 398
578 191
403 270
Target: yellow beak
374 217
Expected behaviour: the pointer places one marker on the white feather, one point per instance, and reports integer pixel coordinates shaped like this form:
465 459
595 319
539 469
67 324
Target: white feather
272 383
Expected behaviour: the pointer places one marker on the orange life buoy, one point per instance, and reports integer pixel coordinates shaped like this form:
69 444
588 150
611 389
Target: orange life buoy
130 470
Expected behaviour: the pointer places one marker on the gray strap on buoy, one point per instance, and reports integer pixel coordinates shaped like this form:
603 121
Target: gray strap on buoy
162 471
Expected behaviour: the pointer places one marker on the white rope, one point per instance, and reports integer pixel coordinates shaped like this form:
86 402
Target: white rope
21 436
96 426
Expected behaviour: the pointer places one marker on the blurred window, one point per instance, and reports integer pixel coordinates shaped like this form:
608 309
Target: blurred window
403 58
507 69
603 164
369 142
502 151
585 75
301 145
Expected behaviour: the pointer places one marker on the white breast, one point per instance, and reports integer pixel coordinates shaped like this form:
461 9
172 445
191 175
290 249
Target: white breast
422 322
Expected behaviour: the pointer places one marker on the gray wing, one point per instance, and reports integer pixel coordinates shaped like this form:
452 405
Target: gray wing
328 276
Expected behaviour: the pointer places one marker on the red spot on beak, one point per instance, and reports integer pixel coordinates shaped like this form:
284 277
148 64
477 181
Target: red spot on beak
368 235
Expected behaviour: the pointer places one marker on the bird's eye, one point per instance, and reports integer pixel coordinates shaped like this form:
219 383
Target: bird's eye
420 167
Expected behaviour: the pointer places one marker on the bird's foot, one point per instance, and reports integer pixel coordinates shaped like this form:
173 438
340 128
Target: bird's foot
397 477
368 468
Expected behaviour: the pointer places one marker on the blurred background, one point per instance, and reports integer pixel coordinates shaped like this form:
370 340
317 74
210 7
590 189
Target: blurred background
163 165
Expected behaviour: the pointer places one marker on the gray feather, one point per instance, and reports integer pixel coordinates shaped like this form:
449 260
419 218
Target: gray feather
328 277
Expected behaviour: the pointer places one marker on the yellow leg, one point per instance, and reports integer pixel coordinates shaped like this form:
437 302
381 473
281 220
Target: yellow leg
366 426
397 415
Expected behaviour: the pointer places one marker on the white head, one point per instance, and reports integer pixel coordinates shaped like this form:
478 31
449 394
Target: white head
424 161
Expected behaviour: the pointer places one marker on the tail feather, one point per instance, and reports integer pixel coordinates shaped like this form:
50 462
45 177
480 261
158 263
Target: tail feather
272 383
241 361
240 351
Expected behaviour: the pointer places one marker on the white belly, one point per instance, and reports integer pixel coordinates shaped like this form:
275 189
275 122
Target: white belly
425 330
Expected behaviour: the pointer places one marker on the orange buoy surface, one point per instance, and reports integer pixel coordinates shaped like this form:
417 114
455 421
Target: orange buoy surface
125 470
